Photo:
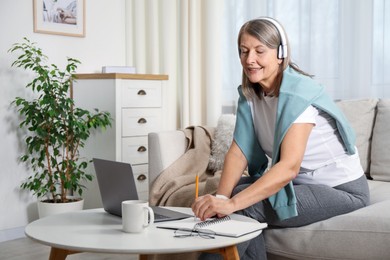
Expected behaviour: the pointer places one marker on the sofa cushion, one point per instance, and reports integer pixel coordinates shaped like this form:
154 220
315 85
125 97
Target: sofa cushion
361 115
379 191
341 237
221 142
380 152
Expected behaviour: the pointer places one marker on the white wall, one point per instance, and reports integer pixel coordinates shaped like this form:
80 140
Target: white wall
104 44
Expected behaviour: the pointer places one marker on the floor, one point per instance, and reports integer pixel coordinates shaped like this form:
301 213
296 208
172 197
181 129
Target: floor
26 249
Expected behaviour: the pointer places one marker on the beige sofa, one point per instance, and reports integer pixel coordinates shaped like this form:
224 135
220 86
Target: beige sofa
362 234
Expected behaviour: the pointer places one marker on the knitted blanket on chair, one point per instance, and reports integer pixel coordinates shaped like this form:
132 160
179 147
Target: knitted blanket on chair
175 186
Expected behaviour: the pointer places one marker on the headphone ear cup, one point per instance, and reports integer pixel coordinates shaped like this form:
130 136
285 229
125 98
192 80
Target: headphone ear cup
280 52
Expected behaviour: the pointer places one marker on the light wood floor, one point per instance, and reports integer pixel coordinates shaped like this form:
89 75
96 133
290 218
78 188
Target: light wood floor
26 249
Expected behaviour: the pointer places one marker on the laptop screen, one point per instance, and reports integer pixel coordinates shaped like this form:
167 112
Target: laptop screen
116 184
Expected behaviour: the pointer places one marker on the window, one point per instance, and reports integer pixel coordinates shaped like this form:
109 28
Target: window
343 43
381 43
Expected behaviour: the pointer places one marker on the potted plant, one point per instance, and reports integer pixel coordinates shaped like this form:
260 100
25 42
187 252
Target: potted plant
56 128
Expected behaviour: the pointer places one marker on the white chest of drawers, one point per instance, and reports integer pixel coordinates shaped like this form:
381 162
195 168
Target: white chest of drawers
137 105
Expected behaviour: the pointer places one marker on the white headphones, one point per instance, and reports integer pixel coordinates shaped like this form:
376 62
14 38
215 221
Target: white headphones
282 50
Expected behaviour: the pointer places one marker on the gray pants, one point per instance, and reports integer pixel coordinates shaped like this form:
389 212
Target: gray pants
314 203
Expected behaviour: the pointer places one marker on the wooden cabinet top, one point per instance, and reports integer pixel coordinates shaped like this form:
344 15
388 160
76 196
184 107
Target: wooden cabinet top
120 76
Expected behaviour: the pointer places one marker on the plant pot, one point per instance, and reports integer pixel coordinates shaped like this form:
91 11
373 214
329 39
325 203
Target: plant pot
48 208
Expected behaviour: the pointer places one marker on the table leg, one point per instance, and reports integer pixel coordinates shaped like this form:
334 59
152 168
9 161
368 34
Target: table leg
60 254
143 257
228 253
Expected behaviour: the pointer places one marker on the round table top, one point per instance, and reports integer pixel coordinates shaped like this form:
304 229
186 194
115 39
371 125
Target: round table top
95 230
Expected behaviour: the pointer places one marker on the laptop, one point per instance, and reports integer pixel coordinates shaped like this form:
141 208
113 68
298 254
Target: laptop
116 184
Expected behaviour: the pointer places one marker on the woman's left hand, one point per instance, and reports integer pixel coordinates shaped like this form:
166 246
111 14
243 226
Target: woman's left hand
208 206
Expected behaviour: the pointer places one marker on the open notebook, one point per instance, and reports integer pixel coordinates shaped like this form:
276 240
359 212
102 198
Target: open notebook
226 226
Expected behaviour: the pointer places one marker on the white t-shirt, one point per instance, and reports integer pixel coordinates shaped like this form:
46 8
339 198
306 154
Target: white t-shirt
325 160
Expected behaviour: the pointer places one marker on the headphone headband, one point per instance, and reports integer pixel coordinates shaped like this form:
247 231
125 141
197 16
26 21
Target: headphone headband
282 50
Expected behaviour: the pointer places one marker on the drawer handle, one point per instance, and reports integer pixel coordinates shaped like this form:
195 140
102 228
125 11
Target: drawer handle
141 149
142 92
141 177
142 121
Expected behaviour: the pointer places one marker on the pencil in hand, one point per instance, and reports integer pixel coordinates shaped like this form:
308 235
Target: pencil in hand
196 188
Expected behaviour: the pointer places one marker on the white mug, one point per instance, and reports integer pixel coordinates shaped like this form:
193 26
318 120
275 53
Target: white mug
136 215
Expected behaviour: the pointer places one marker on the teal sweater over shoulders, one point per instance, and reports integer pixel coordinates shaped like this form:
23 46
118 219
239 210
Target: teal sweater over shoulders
297 92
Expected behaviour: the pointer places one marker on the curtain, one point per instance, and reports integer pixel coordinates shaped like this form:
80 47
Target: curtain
180 38
380 49
343 43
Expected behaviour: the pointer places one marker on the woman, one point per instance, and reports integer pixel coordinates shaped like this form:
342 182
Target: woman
283 114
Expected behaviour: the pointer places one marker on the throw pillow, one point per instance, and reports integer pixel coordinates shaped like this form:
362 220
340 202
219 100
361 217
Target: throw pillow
223 138
361 115
380 155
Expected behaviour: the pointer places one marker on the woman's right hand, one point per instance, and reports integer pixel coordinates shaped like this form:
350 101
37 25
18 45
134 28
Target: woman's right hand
208 206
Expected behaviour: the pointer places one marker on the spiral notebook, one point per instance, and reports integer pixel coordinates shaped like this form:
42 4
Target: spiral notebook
228 226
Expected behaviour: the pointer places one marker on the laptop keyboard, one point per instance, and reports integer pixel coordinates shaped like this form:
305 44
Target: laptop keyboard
158 216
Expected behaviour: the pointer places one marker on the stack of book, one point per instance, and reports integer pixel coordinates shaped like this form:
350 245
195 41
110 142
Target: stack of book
119 69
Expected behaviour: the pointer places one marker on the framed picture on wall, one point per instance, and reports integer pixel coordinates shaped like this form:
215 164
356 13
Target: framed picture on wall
61 17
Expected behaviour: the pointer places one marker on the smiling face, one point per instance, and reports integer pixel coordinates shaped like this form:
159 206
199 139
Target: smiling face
259 62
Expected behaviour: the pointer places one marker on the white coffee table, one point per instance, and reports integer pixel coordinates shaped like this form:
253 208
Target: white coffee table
97 231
